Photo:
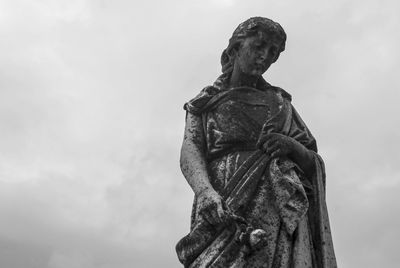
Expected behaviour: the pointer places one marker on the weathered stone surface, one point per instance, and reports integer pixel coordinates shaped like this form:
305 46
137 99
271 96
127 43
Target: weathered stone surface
253 165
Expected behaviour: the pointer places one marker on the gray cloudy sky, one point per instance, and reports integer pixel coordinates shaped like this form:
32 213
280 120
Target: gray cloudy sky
91 122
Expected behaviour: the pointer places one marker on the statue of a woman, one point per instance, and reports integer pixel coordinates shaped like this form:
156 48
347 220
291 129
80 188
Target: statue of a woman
252 163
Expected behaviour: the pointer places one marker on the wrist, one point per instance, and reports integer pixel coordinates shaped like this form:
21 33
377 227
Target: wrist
304 158
205 190
299 151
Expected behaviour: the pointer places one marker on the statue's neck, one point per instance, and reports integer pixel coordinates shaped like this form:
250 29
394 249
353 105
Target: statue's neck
240 79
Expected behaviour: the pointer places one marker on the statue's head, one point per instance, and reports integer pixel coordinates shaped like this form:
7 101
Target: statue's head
253 27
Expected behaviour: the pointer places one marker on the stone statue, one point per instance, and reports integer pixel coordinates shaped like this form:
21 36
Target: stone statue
252 163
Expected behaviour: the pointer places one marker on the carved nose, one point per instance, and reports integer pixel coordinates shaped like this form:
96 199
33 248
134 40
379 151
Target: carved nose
264 54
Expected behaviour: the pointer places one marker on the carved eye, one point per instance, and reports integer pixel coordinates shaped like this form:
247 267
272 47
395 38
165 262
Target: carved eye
258 45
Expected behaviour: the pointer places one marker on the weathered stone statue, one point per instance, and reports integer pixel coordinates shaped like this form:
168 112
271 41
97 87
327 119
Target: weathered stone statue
252 163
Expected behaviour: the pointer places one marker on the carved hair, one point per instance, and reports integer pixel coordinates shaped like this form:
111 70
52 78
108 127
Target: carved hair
246 29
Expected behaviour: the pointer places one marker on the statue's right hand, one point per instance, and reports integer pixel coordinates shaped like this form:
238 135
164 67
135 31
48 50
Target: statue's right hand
211 207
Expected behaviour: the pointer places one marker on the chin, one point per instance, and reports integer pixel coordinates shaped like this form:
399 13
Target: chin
257 72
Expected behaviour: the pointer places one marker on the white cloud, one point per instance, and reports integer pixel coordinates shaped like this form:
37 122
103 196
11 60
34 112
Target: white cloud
223 3
58 260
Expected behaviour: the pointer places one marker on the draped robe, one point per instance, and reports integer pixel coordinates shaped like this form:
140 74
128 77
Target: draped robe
269 194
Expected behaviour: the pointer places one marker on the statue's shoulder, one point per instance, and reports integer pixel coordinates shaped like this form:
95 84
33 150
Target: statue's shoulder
211 90
198 103
282 92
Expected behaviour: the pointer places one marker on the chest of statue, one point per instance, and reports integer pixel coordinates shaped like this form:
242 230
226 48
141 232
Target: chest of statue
246 107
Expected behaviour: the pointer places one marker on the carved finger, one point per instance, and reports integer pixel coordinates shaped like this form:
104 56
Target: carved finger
208 218
265 147
273 148
226 212
274 136
276 153
269 144
215 217
261 141
221 212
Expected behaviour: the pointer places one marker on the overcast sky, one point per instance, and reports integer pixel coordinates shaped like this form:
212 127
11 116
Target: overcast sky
91 122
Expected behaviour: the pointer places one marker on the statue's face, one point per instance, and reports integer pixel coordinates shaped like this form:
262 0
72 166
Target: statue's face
257 53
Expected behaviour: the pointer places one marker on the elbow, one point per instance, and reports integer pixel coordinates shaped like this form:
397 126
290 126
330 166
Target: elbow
190 155
183 159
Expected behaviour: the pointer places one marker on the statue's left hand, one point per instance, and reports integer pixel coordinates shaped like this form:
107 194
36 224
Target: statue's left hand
276 145
281 145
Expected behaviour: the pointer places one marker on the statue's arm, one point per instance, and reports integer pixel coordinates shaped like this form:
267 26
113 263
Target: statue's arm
303 157
281 145
194 169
